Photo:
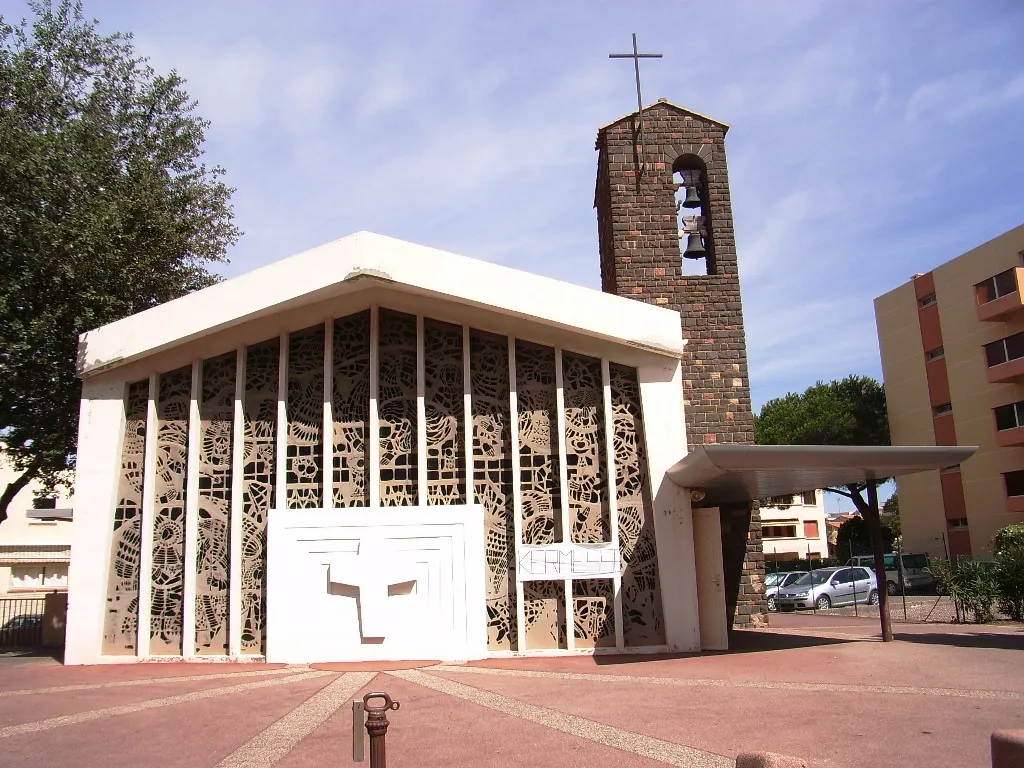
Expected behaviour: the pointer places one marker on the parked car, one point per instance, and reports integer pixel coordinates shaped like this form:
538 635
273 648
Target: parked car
825 588
774 581
907 572
21 630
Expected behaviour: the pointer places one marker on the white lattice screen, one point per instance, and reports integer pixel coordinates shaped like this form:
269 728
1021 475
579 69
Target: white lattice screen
377 409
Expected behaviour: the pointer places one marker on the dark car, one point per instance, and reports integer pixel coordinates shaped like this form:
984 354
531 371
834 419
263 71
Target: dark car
773 582
21 630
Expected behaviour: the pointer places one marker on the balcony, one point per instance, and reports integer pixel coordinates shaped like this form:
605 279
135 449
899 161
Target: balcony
1014 482
1009 420
999 296
1009 437
1005 358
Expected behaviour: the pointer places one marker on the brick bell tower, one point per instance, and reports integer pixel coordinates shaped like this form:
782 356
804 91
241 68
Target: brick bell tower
657 203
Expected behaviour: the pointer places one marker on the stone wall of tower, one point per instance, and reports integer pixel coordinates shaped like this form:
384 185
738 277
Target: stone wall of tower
641 259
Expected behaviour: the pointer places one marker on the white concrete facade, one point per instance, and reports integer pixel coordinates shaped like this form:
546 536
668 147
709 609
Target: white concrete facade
795 528
413 592
369 272
34 550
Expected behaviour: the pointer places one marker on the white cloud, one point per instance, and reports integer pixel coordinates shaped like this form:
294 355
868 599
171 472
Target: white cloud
961 96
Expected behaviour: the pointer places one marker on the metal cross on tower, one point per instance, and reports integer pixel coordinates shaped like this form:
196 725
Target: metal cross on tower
636 56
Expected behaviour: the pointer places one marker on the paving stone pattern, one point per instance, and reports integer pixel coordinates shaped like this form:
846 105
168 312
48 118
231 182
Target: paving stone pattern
899 703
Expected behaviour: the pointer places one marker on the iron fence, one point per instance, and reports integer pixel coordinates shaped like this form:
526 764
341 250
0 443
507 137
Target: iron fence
915 608
21 622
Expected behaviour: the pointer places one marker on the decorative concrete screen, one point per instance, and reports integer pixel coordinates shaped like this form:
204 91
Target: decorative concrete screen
535 454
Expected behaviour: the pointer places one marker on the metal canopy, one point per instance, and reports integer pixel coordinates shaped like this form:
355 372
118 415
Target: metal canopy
736 473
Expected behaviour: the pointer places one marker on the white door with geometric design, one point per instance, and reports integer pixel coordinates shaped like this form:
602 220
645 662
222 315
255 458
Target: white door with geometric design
376 584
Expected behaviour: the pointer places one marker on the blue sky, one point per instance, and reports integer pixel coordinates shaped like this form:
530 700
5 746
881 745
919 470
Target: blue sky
869 140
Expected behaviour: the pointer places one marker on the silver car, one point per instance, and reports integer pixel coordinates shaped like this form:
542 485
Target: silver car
773 582
825 588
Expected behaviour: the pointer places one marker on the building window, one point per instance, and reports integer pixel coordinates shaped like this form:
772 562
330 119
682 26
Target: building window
780 501
42 576
775 531
941 410
926 301
935 354
810 529
1010 416
1004 350
44 502
1014 482
958 523
810 498
996 287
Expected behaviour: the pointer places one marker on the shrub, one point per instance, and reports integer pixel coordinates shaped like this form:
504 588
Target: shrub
1010 537
1009 548
975 588
942 570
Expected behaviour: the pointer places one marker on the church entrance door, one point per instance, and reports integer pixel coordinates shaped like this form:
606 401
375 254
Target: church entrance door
376 584
707 545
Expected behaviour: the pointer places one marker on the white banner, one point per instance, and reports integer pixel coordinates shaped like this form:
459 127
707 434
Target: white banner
552 562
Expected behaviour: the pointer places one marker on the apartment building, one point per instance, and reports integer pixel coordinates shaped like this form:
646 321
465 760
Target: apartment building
793 528
952 348
35 540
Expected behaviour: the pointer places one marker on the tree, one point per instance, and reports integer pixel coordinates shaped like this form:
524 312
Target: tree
854 538
105 210
891 506
890 517
847 412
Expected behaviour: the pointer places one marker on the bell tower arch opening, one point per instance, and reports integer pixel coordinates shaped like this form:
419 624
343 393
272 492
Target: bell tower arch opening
696 245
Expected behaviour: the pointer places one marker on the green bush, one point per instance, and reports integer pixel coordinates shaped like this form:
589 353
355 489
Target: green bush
1009 548
1010 537
975 588
942 570
973 585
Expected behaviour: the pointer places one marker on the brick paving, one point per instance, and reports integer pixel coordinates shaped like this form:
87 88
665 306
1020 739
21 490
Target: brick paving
821 688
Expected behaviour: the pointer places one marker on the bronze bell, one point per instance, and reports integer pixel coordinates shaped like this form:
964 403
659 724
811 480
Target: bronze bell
694 246
692 199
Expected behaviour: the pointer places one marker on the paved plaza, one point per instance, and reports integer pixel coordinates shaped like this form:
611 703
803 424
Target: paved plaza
818 687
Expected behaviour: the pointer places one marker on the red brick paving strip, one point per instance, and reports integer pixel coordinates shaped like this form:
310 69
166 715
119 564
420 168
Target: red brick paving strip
39 676
434 730
828 729
196 734
143 681
267 748
27 708
97 714
673 753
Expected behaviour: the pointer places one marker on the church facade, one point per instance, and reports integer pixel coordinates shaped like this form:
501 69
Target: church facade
377 450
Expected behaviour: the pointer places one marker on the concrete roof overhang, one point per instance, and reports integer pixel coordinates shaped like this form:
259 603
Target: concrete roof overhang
735 473
362 262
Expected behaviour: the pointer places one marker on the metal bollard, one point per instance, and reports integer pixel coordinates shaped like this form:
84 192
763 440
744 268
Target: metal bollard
377 726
